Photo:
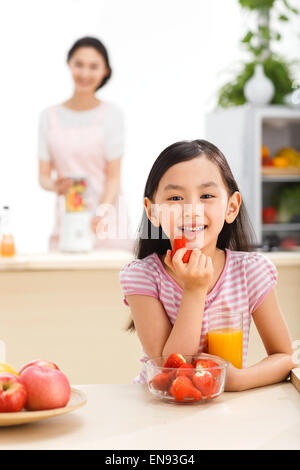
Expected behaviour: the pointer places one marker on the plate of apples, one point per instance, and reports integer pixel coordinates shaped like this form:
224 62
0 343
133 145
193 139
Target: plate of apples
40 390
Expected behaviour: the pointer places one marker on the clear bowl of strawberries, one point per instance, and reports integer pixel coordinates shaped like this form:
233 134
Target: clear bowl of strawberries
182 378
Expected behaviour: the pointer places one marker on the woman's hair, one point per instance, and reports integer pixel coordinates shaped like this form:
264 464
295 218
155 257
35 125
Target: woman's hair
99 46
237 236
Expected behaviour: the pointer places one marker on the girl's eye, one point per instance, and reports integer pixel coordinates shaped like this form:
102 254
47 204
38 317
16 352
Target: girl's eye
210 196
172 198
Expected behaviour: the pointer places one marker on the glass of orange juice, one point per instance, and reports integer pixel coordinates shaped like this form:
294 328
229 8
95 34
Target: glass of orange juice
225 335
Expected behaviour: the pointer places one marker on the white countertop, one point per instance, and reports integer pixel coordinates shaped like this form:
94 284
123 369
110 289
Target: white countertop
119 417
103 259
98 259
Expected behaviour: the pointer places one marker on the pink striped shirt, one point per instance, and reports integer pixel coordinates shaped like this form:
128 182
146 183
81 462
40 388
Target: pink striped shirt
246 279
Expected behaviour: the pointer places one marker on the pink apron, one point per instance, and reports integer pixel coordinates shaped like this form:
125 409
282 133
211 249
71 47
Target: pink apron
80 151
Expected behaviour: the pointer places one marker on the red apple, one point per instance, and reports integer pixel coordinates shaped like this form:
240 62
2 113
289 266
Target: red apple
13 393
47 388
40 363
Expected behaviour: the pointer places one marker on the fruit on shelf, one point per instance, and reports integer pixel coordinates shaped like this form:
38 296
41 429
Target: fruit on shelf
13 393
47 388
292 156
266 158
280 162
288 243
7 368
265 152
283 158
269 215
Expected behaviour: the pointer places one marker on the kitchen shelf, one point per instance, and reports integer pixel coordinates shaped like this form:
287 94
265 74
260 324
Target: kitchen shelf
240 132
280 178
283 171
283 227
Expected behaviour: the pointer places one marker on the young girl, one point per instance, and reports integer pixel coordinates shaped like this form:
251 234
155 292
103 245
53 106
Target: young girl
191 190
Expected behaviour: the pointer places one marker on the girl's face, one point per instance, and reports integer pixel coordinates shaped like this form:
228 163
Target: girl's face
88 69
192 200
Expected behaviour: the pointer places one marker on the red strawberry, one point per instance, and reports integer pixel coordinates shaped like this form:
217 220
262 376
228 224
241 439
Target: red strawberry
172 374
215 388
175 361
161 381
181 243
206 364
182 387
204 381
186 369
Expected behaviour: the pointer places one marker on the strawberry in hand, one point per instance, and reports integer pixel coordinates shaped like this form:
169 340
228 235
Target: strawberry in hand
181 243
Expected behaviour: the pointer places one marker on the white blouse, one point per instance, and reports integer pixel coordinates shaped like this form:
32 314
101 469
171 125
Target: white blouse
113 128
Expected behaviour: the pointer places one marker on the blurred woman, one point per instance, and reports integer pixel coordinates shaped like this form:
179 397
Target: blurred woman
85 136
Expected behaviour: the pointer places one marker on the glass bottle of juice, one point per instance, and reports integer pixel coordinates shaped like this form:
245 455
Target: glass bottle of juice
7 239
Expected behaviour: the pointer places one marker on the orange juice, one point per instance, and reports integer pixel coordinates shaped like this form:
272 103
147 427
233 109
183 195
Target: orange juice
7 245
228 344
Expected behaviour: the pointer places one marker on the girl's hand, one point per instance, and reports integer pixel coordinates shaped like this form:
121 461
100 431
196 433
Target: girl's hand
196 274
62 185
233 379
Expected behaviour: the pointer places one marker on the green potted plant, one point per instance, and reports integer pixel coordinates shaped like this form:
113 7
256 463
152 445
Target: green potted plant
258 44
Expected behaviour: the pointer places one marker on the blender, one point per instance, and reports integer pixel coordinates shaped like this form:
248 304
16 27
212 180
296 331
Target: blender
76 234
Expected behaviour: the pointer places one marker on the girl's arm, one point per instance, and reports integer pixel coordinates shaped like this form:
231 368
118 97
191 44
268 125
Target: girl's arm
275 335
151 323
195 275
186 332
154 329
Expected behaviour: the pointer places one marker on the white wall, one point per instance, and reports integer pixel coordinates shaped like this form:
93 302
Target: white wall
168 59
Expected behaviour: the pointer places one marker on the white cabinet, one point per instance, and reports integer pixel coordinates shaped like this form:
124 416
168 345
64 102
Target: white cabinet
239 133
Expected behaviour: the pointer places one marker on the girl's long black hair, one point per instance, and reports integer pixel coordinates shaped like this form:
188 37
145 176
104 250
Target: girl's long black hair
237 236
